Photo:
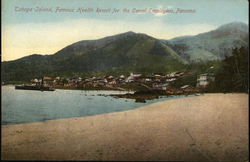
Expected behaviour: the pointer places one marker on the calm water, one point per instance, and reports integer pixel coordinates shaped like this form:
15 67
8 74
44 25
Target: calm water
24 106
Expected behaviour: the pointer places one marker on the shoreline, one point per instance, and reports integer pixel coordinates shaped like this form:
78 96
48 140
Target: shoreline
141 95
210 127
170 97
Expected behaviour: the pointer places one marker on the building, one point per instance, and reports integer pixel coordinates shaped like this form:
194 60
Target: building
133 77
160 86
185 86
203 80
170 79
48 81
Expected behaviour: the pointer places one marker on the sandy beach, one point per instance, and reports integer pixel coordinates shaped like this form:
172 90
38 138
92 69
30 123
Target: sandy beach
211 127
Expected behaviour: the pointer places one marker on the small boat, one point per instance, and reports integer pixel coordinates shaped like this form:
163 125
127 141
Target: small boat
34 87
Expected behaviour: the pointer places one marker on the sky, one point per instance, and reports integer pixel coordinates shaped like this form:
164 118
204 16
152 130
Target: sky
46 26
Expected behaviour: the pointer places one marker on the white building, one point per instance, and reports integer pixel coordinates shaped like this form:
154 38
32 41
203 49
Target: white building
204 79
132 77
160 86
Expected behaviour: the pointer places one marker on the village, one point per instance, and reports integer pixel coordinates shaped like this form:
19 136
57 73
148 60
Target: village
141 84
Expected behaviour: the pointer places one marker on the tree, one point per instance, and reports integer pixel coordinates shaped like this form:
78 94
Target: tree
233 76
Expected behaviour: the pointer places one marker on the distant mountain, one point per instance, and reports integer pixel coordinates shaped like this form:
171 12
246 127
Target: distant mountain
212 45
128 52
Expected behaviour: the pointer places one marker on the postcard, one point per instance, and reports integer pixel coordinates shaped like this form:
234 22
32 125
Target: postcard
125 80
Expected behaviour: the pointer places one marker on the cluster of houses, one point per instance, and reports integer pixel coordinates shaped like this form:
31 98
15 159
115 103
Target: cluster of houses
158 81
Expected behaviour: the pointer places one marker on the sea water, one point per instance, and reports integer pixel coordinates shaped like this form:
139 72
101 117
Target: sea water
25 106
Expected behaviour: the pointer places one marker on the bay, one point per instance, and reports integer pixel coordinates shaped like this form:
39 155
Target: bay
25 106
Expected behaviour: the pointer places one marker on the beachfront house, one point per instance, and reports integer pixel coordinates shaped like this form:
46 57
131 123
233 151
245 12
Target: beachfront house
121 79
170 79
161 86
203 80
133 77
112 82
147 80
48 81
171 74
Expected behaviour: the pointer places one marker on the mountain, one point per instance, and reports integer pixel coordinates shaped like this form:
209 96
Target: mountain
213 45
124 52
129 52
